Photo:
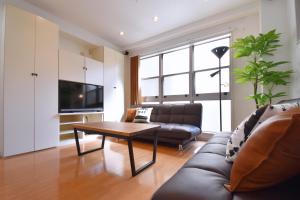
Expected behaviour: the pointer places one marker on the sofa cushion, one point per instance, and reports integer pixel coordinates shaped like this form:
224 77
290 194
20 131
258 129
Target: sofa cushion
178 131
142 115
194 184
130 114
218 140
276 109
271 155
210 162
241 134
180 114
219 149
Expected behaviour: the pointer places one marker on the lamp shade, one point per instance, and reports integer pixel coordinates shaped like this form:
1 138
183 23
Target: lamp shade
220 51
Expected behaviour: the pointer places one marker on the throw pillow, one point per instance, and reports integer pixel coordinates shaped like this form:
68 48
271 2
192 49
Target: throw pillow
270 156
276 109
241 134
130 115
142 115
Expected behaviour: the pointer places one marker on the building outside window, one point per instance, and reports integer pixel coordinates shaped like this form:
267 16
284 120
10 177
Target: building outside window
182 75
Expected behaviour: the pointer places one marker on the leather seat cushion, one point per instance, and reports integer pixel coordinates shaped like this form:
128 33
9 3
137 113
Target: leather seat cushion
210 162
194 184
218 140
178 131
219 149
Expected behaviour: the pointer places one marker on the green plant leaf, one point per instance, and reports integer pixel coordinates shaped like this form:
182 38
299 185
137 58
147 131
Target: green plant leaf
260 70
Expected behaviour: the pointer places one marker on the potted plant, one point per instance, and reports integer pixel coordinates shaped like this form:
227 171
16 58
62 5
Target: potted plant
259 70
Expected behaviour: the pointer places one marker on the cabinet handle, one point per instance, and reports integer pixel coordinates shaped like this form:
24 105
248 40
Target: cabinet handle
115 87
34 74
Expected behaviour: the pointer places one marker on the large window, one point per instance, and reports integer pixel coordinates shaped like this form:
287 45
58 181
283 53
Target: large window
149 73
185 74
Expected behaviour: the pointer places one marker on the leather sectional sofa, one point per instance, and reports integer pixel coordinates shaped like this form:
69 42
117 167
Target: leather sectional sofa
204 175
180 124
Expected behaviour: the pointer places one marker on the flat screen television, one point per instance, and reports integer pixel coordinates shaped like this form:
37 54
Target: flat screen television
80 97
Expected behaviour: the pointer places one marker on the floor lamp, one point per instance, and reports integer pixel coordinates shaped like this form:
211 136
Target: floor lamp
219 52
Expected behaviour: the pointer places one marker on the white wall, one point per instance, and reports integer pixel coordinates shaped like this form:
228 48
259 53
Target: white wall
274 15
241 107
281 15
294 48
2 18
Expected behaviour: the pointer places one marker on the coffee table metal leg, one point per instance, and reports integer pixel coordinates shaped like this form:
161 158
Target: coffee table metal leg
155 146
89 151
131 157
135 172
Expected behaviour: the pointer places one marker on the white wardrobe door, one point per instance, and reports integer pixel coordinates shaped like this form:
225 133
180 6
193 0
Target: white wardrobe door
18 82
110 85
71 66
46 85
119 86
94 72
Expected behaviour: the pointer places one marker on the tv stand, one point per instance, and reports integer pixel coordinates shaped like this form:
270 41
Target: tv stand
67 120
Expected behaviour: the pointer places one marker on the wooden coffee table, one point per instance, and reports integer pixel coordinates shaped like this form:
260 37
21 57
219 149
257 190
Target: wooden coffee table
122 130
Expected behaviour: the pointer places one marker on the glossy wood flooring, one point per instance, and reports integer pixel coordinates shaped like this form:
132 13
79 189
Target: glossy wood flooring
60 174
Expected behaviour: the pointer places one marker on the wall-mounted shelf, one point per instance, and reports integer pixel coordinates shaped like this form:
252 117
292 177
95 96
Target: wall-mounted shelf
80 113
68 123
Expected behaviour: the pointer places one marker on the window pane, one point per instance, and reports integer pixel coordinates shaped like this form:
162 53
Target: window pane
211 115
204 58
149 67
176 62
171 86
149 87
204 83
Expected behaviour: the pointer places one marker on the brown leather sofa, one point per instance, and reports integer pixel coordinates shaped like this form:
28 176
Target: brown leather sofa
180 124
204 175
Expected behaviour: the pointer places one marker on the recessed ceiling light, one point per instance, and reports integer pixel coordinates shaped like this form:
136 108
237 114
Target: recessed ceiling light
155 18
121 33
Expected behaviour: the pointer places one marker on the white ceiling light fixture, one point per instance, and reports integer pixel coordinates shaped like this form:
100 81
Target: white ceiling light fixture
155 18
122 33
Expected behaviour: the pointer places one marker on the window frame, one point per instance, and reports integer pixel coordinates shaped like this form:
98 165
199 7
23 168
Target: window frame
192 96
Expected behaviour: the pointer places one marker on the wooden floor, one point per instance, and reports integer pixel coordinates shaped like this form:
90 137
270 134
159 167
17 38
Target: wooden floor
59 173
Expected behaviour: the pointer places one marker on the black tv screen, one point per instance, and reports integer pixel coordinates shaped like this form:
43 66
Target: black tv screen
80 97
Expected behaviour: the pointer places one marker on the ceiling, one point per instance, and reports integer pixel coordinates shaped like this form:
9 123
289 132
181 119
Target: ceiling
106 18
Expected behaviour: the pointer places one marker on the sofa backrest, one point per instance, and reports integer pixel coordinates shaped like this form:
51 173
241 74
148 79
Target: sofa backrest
179 114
